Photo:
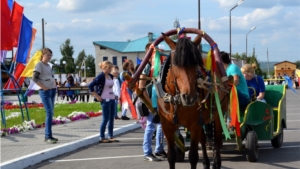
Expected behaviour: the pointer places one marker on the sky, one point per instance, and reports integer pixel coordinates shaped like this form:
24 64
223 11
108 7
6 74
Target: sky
84 21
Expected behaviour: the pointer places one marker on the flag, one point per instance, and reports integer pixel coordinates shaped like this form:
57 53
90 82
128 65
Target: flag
10 4
289 83
138 61
24 40
31 43
31 88
28 71
18 71
2 55
16 20
6 43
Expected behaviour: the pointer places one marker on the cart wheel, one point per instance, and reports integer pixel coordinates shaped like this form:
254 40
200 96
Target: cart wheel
179 154
278 140
251 146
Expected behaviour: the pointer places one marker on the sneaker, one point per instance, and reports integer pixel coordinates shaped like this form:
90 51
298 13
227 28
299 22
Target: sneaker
50 140
151 157
117 118
54 138
162 154
125 118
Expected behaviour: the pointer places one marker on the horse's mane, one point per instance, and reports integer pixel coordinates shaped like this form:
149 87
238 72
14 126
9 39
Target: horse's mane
187 54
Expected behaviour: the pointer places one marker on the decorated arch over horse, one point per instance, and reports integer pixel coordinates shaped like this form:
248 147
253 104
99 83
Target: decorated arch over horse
215 52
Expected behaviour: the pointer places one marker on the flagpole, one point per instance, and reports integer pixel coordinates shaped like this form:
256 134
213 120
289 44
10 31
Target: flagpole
43 33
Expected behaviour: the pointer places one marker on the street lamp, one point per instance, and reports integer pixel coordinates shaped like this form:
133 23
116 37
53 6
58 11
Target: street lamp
247 39
239 3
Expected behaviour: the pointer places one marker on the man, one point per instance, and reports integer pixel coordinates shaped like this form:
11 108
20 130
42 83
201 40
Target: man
238 80
151 127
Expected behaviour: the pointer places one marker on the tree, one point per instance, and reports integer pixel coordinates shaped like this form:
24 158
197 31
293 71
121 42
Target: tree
67 51
90 62
253 60
298 64
81 56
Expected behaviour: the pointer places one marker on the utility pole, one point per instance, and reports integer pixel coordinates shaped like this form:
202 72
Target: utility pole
199 26
268 63
43 33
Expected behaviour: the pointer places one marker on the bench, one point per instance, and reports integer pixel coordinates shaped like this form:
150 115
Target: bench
61 91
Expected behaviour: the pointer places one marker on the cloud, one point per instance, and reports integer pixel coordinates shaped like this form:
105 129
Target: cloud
45 5
88 5
258 3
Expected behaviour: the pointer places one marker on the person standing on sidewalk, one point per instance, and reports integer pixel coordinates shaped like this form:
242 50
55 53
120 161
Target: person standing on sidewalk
104 84
116 89
43 76
151 127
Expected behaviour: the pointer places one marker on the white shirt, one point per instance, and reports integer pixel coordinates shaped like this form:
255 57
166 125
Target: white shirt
116 87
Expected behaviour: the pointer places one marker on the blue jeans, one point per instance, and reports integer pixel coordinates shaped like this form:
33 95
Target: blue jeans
150 128
48 98
108 112
116 108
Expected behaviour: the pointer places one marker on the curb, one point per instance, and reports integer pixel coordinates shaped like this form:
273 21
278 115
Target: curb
35 158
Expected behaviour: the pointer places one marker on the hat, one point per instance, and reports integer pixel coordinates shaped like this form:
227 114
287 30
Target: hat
162 47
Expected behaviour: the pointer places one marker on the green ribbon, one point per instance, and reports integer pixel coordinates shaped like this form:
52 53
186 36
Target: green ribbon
225 129
156 63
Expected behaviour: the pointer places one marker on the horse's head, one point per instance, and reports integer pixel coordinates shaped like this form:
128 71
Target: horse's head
185 62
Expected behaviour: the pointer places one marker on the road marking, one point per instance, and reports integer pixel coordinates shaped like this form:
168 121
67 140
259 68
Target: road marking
100 158
293 120
294 114
131 138
280 147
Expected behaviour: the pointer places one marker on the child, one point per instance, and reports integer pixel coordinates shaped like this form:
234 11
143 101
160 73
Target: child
116 89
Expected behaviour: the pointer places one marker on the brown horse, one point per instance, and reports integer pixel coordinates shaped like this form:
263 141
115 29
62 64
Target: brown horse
186 108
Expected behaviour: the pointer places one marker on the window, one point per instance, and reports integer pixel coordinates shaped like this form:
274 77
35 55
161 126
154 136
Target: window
102 48
115 60
105 58
124 58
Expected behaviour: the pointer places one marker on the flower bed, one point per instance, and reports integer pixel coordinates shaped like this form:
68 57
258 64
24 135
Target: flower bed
15 105
30 125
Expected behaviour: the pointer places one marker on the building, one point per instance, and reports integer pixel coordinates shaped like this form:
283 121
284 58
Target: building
118 52
284 67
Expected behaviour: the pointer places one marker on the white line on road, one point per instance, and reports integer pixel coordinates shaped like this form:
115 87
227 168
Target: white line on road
280 147
100 158
293 120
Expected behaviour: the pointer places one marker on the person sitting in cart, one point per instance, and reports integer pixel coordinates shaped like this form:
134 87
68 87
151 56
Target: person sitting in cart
238 80
254 81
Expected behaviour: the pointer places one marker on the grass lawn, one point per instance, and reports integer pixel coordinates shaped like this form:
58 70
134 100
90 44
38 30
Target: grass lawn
39 115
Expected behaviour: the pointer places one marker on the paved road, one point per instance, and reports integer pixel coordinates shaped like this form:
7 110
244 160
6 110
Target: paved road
128 153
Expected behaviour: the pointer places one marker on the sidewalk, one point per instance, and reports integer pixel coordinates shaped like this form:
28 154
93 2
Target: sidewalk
28 148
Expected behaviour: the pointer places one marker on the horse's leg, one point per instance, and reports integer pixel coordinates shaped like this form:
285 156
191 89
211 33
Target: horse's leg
193 154
206 163
218 144
169 131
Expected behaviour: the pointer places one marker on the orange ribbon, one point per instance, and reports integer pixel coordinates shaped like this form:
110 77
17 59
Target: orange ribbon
234 104
126 98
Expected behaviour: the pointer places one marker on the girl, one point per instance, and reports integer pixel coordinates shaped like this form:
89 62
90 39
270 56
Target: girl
105 95
43 76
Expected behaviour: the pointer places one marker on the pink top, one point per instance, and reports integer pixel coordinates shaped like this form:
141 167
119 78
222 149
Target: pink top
143 122
107 92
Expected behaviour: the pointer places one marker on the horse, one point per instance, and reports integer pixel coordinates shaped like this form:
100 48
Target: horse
187 108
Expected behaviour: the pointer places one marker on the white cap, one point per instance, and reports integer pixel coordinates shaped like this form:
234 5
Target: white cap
162 47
